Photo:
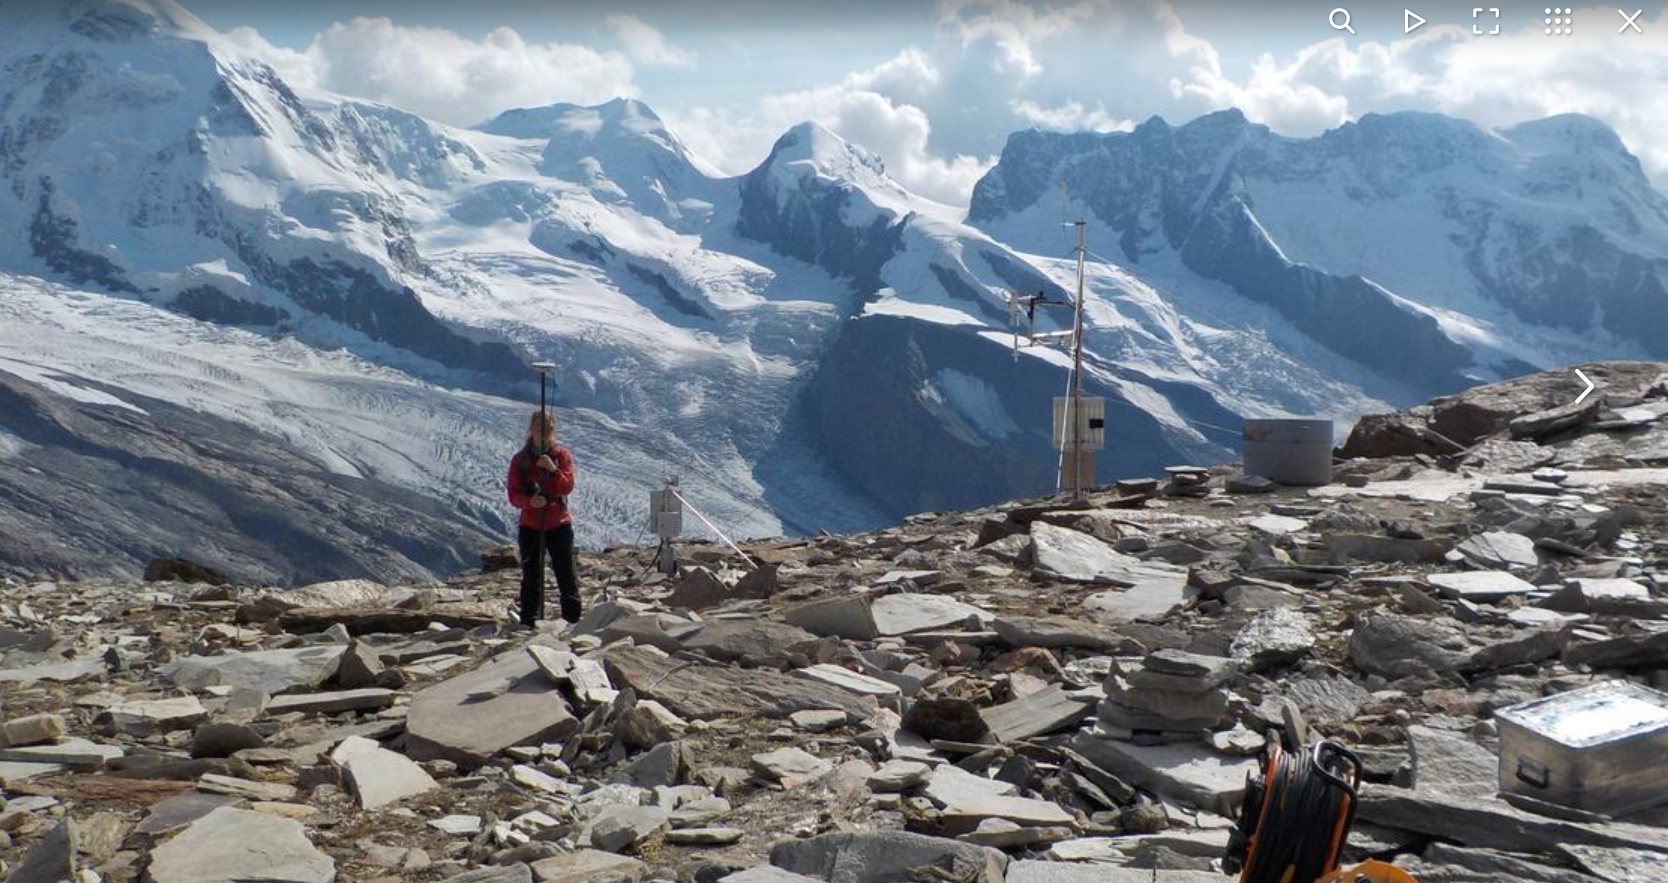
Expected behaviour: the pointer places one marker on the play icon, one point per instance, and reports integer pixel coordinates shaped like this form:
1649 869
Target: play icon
1411 21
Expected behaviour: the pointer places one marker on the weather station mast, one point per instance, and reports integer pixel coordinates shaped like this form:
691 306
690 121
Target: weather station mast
1079 420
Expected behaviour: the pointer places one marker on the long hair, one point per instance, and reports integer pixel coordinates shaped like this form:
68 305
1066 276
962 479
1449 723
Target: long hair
530 451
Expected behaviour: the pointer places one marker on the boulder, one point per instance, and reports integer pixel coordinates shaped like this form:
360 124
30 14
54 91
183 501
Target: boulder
473 716
1451 763
905 612
269 671
790 767
764 643
946 718
620 828
52 859
1500 549
1183 771
233 844
32 730
842 617
1402 646
378 776
589 866
697 589
1273 637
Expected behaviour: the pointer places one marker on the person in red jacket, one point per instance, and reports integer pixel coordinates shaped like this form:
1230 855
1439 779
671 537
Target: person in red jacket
541 477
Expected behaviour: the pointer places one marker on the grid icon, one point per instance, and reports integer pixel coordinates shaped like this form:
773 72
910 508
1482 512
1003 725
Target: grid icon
1558 21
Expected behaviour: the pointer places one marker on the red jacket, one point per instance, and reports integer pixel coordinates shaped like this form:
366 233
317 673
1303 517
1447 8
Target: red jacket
556 485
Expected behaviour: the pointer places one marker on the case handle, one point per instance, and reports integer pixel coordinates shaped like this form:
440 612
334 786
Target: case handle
1533 773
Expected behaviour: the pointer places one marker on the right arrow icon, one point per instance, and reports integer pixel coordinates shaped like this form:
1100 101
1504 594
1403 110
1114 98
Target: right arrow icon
1586 392
1411 21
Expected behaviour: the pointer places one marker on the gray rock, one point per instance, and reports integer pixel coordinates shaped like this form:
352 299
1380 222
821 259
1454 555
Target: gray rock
72 752
887 857
1494 824
1184 771
767 874
845 679
149 716
233 844
947 718
1402 646
224 740
472 717
179 811
905 612
664 764
1386 550
1529 646
1503 550
52 859
621 828
1479 587
1052 632
1149 599
1328 699
647 724
1618 864
1273 637
898 775
1632 651
32 730
1038 714
1073 556
378 776
589 866
1451 763
848 617
704 836
270 671
698 588
790 767
359 666
757 642
336 702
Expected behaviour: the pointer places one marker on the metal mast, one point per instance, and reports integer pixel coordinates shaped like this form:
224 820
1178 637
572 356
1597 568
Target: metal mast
1075 409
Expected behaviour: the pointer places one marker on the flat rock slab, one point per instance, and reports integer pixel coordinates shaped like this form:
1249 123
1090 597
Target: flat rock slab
1494 824
177 812
767 874
1052 632
759 642
963 817
1482 586
1099 872
1074 556
230 845
62 672
886 857
589 866
1452 763
1149 599
907 612
847 680
269 671
380 777
1038 714
368 699
72 752
473 716
705 692
846 617
1184 771
1498 548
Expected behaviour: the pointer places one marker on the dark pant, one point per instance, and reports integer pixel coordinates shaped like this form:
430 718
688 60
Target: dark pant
558 544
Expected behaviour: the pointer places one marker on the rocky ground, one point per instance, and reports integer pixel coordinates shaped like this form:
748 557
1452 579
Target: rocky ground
1035 693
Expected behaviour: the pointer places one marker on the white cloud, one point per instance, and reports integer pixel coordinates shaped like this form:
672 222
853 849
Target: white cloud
442 75
1070 117
646 44
1494 81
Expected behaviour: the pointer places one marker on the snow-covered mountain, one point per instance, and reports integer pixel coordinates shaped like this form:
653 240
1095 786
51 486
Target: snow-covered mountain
808 345
1420 246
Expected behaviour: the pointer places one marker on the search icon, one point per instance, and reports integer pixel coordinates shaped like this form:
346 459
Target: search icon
1338 25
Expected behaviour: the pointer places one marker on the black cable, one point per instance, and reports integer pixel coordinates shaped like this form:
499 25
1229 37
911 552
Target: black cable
1294 831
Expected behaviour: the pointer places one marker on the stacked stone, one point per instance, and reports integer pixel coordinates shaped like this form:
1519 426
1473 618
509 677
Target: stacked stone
1187 481
1171 692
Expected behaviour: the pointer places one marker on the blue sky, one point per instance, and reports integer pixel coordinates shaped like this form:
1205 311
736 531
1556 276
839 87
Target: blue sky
935 88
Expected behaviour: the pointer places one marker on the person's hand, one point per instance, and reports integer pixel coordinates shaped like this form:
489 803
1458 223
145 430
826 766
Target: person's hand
538 502
547 464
